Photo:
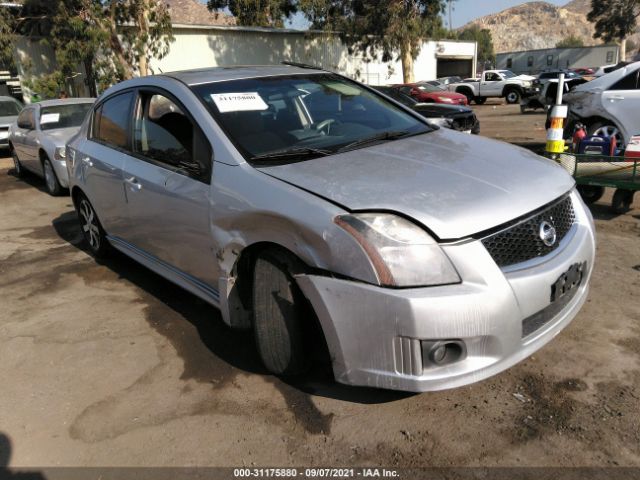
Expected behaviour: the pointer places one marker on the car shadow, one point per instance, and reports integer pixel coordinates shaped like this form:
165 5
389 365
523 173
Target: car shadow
7 473
215 352
27 180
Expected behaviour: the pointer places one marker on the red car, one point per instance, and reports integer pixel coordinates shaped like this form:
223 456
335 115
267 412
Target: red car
428 93
584 71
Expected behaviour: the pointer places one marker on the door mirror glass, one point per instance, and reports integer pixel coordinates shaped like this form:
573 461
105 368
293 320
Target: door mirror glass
26 120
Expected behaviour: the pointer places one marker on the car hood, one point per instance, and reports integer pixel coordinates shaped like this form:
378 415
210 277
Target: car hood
454 184
440 110
60 136
443 93
523 77
7 121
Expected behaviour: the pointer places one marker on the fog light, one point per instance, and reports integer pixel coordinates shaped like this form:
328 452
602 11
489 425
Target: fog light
442 352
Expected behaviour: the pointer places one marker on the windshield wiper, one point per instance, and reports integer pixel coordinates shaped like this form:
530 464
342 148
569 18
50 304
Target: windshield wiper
393 135
296 153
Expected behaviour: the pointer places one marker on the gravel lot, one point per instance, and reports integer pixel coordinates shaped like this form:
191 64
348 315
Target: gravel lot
110 365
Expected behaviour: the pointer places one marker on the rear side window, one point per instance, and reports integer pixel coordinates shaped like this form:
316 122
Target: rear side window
630 82
112 120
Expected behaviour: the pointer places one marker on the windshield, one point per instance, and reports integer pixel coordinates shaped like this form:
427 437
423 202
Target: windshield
315 114
428 87
63 116
9 109
508 73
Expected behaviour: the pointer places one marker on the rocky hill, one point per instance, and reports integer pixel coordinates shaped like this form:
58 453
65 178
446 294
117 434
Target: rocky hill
536 25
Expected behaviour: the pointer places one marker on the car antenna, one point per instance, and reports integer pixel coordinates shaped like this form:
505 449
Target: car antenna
301 65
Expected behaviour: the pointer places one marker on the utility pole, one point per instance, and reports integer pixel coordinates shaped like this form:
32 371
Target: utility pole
450 24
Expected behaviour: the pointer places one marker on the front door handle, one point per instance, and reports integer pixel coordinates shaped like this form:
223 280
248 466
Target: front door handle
616 97
87 161
133 183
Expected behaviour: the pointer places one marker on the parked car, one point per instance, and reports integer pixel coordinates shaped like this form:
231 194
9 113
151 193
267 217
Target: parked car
494 83
544 77
603 70
9 110
449 80
425 93
543 96
37 139
456 117
608 106
584 71
314 210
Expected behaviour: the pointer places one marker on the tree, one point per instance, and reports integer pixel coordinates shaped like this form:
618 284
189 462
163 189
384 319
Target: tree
260 13
486 51
614 20
396 28
570 42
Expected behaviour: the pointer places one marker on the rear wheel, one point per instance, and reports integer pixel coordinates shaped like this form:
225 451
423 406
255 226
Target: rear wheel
622 200
278 308
467 93
603 129
590 193
50 179
92 230
17 166
480 100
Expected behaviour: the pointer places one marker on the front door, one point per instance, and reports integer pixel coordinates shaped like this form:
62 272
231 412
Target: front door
167 186
25 138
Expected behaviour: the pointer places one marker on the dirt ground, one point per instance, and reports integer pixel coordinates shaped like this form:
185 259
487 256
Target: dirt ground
110 365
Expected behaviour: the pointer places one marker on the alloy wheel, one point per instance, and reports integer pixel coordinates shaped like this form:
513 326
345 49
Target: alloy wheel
609 131
49 176
89 223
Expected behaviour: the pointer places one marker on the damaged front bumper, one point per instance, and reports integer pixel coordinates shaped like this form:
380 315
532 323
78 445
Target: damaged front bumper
379 337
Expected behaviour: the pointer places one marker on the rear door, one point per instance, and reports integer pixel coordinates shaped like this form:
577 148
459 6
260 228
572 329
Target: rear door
23 133
102 157
167 186
622 102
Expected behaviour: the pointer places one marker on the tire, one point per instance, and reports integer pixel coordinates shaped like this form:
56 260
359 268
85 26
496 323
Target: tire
523 109
51 182
17 166
480 100
278 308
512 96
606 129
622 200
467 93
590 193
92 231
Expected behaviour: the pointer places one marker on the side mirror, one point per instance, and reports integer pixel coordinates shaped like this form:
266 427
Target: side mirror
26 125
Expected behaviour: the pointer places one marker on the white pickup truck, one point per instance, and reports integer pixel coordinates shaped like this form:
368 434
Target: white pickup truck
494 83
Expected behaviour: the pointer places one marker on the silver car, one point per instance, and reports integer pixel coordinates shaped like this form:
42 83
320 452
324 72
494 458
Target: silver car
38 137
9 110
316 211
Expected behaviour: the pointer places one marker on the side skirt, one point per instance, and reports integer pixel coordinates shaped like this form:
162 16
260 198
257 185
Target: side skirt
171 273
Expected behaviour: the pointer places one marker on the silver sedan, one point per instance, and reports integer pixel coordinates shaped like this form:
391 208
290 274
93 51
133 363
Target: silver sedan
38 137
326 216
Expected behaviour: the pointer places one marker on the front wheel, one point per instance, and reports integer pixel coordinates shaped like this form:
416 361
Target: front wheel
278 308
512 96
92 230
17 166
50 179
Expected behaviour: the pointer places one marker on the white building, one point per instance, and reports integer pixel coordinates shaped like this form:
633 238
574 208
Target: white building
198 46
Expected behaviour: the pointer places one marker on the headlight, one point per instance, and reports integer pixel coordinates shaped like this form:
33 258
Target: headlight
60 153
527 84
445 99
402 254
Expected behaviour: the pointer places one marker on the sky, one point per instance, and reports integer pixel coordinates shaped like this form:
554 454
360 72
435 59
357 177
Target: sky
463 11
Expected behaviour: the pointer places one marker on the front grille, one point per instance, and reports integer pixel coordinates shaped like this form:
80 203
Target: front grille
463 121
520 240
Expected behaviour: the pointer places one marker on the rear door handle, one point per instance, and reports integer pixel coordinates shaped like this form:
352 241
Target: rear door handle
133 183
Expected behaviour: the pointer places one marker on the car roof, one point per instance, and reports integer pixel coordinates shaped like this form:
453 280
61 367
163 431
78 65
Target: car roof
609 79
220 74
64 101
6 98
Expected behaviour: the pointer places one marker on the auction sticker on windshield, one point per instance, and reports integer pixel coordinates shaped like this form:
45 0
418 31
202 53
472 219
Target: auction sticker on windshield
239 102
49 118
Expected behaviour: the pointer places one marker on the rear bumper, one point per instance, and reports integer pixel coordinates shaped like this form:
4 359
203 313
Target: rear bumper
375 334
